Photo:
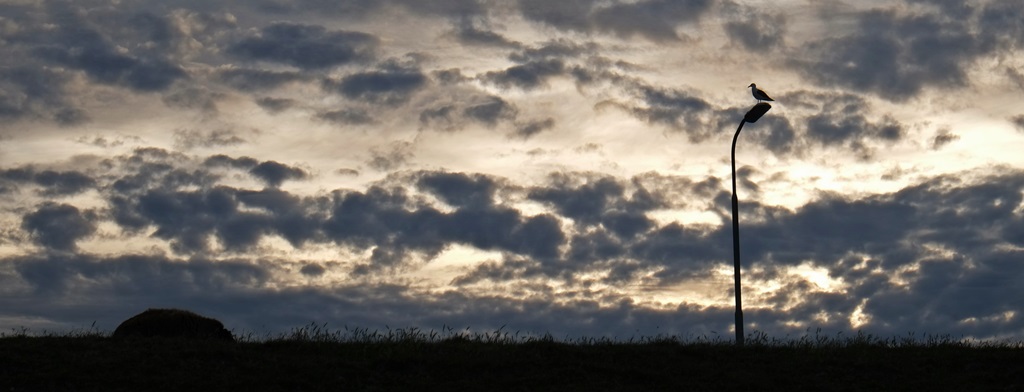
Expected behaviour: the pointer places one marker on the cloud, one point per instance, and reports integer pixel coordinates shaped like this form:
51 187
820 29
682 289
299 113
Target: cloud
274 173
53 183
194 98
59 226
388 87
84 49
896 56
675 109
571 15
58 279
531 75
313 270
1018 121
655 20
390 157
394 225
600 201
257 79
470 35
491 111
270 172
307 47
529 129
188 139
758 32
840 120
942 138
554 49
938 253
32 93
346 116
228 290
275 105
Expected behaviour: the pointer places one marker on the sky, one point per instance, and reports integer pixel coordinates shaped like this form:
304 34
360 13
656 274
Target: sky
532 166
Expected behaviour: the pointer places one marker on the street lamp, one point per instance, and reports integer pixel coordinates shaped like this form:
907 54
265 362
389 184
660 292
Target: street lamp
752 116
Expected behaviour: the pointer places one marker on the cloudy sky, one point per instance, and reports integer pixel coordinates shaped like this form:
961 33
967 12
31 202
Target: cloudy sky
546 166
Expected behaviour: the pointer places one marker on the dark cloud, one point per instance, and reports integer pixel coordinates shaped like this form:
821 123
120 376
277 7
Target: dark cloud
59 226
53 183
1016 77
57 279
529 129
932 255
152 28
776 134
461 9
187 218
33 92
347 172
221 160
555 49
897 56
270 172
274 173
949 7
194 98
388 87
347 116
275 105
656 20
396 224
569 15
841 121
237 292
460 189
77 45
1018 121
237 219
942 138
675 109
449 76
312 270
108 141
361 9
155 168
390 157
759 33
491 111
442 117
305 46
294 218
188 139
999 22
527 76
600 201
470 35
256 79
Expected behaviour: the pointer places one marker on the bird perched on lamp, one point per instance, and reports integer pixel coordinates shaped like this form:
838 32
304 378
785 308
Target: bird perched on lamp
759 94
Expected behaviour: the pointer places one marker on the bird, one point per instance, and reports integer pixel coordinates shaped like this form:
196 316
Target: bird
759 94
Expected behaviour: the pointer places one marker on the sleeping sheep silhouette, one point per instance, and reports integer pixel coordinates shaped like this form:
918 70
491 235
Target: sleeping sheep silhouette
172 323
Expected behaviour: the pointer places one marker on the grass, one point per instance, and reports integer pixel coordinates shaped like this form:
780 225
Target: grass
315 358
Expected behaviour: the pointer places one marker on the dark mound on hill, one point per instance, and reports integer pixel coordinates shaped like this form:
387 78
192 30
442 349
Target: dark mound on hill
172 323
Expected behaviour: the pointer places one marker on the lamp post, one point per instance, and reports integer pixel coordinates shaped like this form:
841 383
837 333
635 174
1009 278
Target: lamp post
752 116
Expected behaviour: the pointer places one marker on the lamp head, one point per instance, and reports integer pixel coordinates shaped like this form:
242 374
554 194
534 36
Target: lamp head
756 112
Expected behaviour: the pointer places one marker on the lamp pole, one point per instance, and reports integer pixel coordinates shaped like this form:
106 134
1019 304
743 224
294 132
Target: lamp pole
752 116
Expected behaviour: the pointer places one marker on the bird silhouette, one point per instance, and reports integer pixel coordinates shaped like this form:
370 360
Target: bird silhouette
759 94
